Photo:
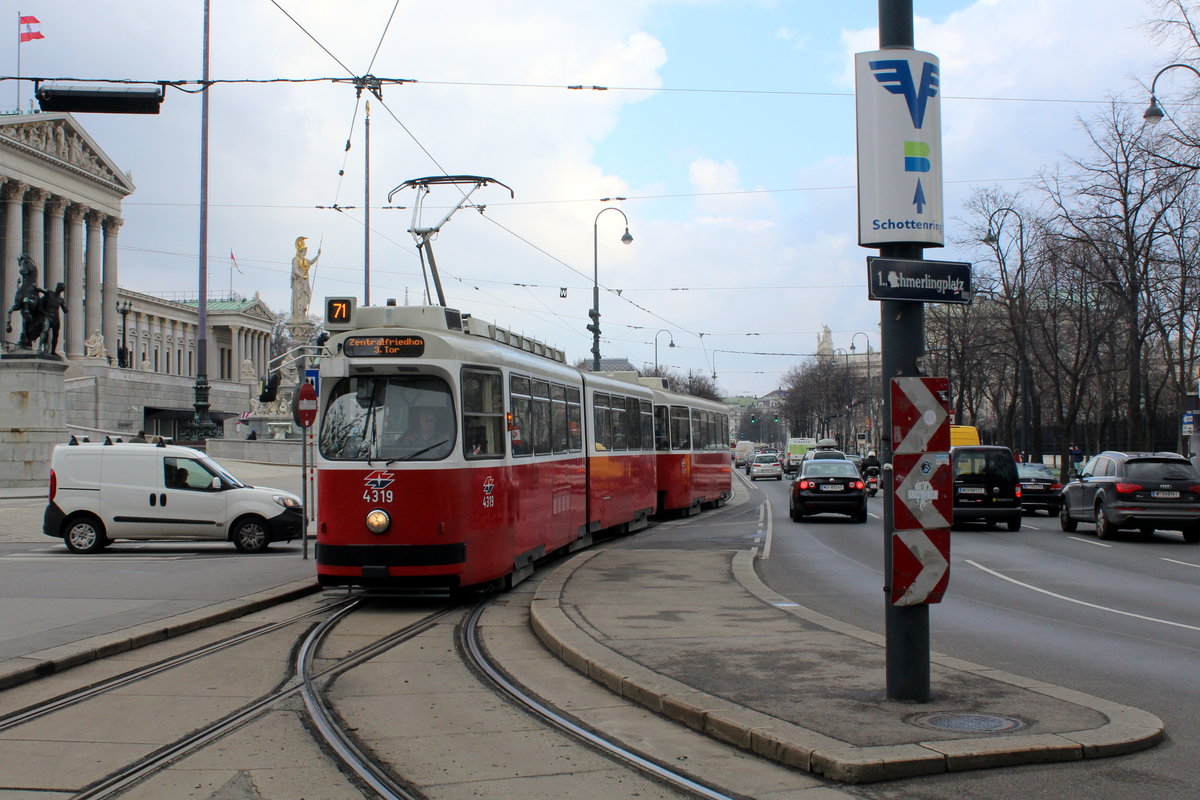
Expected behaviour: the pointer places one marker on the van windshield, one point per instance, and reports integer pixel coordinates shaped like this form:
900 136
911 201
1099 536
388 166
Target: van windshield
226 475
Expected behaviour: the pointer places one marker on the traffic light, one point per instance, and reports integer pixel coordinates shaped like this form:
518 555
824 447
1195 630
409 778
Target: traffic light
753 419
776 418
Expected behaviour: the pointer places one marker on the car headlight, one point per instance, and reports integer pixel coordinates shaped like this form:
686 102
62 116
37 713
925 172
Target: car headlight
286 500
378 521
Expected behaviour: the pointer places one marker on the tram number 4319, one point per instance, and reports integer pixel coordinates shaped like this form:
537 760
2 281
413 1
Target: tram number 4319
378 495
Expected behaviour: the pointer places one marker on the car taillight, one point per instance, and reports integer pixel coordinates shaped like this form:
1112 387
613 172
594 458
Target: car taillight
1127 488
1056 485
1018 493
806 484
53 484
858 485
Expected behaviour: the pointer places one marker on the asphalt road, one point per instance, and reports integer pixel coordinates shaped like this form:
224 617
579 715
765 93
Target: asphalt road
1117 620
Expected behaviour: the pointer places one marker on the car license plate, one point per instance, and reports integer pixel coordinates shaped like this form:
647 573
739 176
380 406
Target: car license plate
972 490
831 487
1165 495
1037 487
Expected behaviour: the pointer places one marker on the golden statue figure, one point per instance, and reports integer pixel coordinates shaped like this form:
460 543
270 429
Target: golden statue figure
301 287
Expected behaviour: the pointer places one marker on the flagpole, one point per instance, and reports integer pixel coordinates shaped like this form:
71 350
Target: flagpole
18 62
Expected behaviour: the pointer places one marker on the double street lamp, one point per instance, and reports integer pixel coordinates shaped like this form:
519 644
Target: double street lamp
594 314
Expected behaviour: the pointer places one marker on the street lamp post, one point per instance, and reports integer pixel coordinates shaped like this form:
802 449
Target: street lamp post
672 344
870 389
1016 321
1154 113
124 307
594 314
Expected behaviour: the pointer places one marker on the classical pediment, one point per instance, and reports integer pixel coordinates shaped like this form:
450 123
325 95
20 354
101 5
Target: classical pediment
57 137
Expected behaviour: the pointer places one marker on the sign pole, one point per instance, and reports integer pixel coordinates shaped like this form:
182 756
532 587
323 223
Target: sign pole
902 329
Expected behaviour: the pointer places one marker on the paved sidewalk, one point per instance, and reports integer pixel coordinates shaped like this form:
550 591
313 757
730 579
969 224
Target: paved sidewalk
697 637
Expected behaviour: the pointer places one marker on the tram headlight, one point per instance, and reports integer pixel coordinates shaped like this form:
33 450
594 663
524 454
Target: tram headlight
378 521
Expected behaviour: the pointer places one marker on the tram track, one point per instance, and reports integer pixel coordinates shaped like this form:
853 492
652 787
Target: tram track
475 654
300 683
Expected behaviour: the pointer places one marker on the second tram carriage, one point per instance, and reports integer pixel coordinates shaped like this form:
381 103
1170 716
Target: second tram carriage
453 453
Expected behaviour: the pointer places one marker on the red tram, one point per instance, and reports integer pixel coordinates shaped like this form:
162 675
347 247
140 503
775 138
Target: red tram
453 453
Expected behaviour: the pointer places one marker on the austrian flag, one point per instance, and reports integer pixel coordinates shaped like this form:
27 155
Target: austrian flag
30 29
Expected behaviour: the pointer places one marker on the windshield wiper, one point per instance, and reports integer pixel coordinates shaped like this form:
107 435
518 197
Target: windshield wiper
413 455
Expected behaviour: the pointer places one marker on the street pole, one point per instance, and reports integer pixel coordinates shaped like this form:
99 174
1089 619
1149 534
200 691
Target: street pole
594 326
902 329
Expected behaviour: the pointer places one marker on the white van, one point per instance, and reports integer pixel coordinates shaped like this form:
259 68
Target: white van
101 492
743 451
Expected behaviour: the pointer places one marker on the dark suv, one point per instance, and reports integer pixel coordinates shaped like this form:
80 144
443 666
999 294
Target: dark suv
1145 491
986 488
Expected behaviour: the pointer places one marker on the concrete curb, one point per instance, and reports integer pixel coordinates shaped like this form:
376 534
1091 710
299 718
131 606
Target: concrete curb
1129 729
23 669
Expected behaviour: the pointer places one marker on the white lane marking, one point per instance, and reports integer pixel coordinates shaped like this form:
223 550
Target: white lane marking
1081 602
1185 563
1090 541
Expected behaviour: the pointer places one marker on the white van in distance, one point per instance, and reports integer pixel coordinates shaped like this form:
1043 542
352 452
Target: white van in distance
102 492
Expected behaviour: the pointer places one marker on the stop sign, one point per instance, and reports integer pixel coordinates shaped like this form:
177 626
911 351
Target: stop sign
306 405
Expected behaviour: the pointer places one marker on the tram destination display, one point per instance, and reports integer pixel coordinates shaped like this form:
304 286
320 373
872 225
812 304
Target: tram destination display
384 346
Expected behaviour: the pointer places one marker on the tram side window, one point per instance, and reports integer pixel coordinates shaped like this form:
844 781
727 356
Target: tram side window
520 430
483 413
541 418
681 431
574 421
633 425
558 421
710 431
697 431
603 422
724 428
617 406
662 428
645 424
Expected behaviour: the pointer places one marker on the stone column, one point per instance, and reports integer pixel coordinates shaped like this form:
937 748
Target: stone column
74 322
35 245
235 355
92 285
53 271
14 212
108 298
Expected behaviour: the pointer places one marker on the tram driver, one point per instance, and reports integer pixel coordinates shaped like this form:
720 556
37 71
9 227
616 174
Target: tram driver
426 430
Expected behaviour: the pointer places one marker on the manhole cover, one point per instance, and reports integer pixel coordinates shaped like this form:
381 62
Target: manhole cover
967 722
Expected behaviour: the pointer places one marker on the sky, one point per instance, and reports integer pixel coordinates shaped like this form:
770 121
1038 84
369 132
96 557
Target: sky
727 127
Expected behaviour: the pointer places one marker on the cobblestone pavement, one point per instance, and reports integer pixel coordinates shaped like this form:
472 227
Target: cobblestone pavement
21 510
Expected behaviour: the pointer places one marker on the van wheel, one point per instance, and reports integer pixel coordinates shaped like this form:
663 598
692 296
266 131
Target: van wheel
85 534
250 535
1014 524
1191 535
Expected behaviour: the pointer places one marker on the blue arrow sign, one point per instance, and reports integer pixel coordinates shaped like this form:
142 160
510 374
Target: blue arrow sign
919 197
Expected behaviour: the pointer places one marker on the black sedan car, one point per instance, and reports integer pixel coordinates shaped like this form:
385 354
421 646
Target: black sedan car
826 484
1141 491
1040 488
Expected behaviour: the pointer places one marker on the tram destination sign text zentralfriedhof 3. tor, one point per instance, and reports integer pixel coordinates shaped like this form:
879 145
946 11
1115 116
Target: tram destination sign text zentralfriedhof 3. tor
918 281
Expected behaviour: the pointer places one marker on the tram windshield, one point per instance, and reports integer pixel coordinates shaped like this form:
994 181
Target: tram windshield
397 418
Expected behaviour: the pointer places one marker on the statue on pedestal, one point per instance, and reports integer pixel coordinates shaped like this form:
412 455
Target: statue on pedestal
51 303
27 302
301 288
94 346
